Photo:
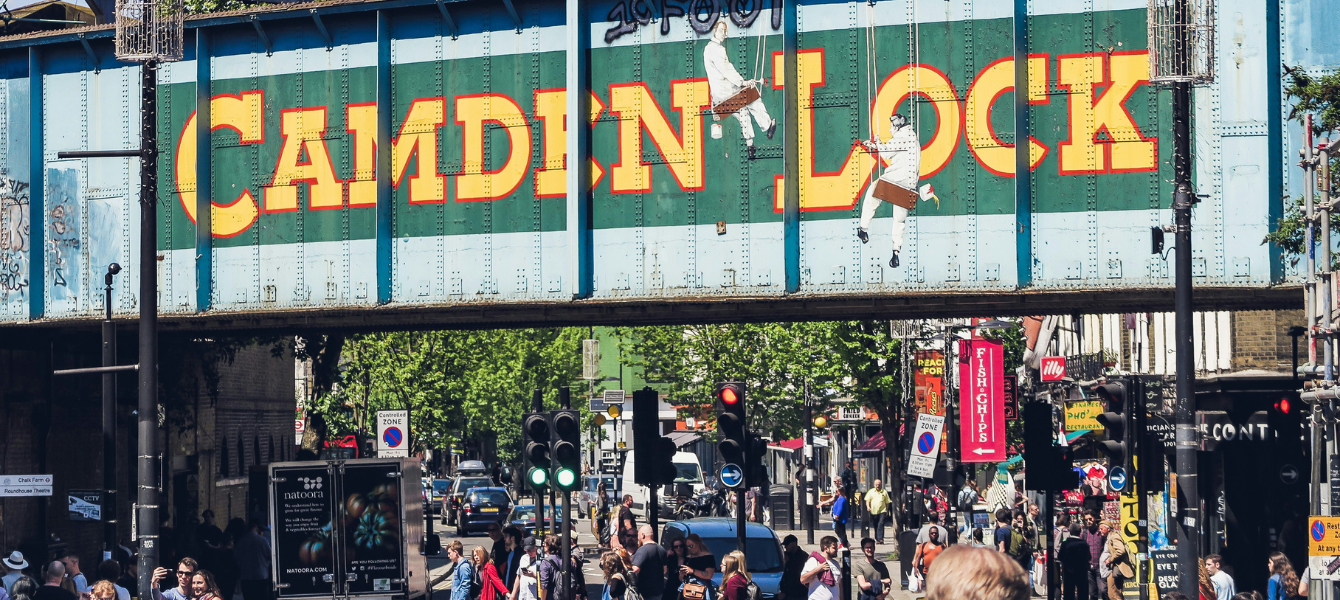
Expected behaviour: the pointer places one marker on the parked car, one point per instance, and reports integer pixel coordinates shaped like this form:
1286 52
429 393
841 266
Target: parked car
587 497
439 489
523 516
481 506
762 547
459 486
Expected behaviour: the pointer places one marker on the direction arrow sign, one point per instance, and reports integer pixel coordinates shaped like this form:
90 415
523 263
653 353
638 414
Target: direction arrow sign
732 475
982 400
1117 477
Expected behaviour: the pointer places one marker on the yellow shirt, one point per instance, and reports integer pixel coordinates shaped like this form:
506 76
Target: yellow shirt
877 501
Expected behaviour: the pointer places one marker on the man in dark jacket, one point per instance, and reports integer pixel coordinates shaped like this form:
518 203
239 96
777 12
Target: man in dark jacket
1074 559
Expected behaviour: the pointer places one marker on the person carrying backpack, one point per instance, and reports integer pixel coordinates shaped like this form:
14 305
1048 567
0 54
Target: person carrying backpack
551 574
463 583
736 584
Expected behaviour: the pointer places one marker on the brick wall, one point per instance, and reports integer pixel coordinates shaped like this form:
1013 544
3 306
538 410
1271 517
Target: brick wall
1261 340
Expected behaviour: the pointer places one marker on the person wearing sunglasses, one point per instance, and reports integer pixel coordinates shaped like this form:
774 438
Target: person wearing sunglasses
185 570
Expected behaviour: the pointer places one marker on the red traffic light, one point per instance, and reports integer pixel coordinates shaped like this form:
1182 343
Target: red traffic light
728 395
1282 405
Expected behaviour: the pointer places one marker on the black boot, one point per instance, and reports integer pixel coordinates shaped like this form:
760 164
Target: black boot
772 129
750 149
864 237
893 262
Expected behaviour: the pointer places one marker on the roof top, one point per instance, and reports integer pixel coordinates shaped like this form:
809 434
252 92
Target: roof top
722 527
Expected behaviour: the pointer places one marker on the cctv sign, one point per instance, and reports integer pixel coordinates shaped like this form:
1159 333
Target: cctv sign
1053 368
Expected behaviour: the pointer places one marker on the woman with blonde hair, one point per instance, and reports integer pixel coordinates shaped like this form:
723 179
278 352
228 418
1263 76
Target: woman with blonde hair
735 577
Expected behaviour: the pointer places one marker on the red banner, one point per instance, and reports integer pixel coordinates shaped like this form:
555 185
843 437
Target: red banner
982 400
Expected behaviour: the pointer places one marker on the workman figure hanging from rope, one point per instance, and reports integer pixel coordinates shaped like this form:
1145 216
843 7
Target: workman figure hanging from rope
898 184
731 93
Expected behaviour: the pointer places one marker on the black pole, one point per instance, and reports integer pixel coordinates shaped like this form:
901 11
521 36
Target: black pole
146 509
1052 592
109 421
740 516
537 405
1188 543
565 402
653 510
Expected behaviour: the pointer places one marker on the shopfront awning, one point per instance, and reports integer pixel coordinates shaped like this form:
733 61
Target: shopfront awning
871 446
683 438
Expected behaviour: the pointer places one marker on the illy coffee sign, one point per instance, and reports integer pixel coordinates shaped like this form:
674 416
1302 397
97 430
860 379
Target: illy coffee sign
1053 368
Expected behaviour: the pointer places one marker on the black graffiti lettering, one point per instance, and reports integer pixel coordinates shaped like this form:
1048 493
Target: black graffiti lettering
670 8
629 15
744 12
703 15
60 277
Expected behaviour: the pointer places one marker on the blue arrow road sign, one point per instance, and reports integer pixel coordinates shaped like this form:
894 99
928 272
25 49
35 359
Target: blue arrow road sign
732 475
1117 477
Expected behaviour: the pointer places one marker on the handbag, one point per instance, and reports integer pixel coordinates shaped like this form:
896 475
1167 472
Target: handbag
693 591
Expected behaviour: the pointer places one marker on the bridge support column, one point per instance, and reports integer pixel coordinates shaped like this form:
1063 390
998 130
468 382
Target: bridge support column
581 257
204 168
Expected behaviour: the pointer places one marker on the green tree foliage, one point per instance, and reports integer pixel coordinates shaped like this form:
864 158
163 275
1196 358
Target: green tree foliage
475 382
1320 97
774 359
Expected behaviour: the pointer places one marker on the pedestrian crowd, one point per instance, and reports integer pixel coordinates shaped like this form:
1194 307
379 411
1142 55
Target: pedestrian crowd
236 558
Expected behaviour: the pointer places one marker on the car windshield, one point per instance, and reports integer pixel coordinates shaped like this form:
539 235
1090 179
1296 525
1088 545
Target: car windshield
489 496
440 486
465 483
688 473
762 552
524 513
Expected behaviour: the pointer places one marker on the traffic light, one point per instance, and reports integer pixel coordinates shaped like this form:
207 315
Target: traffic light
565 449
1048 465
754 472
730 422
1118 423
654 464
535 434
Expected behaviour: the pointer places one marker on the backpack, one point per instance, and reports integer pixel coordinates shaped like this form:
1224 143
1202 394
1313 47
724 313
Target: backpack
753 592
555 580
476 584
1018 545
630 587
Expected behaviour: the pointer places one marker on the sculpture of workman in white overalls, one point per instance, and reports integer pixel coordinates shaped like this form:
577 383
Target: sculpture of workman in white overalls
724 83
903 150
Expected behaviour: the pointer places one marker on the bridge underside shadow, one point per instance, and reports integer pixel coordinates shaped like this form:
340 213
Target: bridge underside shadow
699 309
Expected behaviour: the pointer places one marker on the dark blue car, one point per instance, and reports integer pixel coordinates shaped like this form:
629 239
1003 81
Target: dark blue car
481 506
762 547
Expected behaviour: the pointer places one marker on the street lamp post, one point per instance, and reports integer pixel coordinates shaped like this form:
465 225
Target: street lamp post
109 419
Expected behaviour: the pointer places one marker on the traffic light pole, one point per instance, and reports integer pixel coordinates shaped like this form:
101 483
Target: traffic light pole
808 502
565 400
1188 543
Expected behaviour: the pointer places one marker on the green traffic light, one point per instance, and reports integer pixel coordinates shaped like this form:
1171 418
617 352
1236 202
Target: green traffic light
538 477
566 478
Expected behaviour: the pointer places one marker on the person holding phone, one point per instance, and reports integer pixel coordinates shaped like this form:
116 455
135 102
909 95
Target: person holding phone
527 586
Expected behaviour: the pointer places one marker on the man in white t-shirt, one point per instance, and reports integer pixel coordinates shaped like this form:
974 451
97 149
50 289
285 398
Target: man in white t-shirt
527 586
822 577
1222 582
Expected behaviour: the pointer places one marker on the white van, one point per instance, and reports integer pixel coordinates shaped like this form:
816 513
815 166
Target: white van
687 471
